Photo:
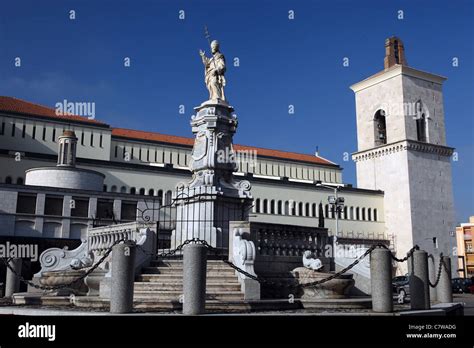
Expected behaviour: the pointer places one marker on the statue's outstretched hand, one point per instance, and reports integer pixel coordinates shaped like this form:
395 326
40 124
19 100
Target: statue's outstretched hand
202 53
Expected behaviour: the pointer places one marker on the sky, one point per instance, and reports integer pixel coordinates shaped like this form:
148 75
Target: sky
282 62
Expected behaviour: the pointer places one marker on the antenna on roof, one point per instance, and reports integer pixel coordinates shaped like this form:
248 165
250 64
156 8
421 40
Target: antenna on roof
316 153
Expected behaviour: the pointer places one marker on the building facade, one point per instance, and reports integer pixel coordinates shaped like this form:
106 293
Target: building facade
465 251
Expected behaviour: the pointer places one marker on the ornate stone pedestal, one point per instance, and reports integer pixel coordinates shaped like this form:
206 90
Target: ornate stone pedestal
213 197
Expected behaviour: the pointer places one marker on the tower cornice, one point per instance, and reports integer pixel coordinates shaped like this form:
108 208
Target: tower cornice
403 145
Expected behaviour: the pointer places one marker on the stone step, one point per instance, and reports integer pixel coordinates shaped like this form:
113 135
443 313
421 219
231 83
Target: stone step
180 262
176 295
220 287
174 277
168 270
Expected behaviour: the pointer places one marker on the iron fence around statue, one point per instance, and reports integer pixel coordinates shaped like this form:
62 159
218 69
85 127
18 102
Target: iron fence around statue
194 213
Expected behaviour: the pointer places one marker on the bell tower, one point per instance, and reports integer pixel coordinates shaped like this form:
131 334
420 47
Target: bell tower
402 151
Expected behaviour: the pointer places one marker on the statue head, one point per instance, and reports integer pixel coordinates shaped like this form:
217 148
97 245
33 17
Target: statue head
214 46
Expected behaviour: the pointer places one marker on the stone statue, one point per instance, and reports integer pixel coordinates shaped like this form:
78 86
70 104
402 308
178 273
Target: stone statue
311 262
214 70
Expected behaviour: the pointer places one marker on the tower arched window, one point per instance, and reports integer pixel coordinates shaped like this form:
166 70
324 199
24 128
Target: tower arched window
257 205
300 209
375 214
265 206
357 217
151 192
380 128
351 213
272 206
307 210
280 207
421 123
314 209
369 214
142 191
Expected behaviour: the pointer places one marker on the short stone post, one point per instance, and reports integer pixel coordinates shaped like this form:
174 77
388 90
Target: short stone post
123 276
194 279
381 280
445 291
419 281
12 281
433 270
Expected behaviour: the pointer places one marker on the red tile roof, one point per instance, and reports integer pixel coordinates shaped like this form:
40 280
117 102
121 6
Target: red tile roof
18 106
171 139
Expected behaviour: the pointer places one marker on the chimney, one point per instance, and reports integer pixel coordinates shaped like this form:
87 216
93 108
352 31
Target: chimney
394 52
67 149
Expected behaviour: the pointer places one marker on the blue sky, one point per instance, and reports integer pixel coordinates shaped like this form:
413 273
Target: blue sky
282 62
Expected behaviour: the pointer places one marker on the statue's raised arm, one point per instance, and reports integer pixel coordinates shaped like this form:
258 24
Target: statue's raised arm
214 70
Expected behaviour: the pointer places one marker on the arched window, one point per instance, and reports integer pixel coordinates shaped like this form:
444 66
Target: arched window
351 213
272 206
363 214
280 207
345 213
151 192
314 209
375 214
380 128
369 214
287 208
105 188
142 191
113 188
357 214
123 189
19 181
326 211
257 204
300 209
160 196
420 122
133 190
307 210
292 207
8 180
265 206
168 197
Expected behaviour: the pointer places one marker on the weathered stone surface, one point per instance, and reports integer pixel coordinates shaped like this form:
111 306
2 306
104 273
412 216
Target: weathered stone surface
335 288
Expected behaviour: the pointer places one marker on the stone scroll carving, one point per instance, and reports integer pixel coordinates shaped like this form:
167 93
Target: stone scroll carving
243 256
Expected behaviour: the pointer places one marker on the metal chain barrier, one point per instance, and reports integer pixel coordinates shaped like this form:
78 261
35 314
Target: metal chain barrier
440 267
409 253
321 281
57 287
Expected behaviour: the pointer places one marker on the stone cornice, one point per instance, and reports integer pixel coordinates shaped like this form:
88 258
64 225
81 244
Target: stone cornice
404 145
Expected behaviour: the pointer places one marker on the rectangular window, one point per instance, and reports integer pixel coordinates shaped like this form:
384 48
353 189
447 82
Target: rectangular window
156 156
100 141
105 209
129 211
54 135
148 155
53 205
139 154
2 130
26 203
92 139
33 135
80 208
13 129
82 138
44 133
116 150
23 131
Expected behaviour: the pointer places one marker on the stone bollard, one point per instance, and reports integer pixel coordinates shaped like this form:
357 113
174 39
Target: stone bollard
381 280
444 289
123 276
433 271
12 281
419 281
194 279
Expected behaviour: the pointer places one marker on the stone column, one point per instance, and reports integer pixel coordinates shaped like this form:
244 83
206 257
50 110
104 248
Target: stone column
444 289
123 276
117 208
419 286
194 279
381 280
12 281
40 201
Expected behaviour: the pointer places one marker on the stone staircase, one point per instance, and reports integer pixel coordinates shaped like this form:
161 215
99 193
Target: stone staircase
163 281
